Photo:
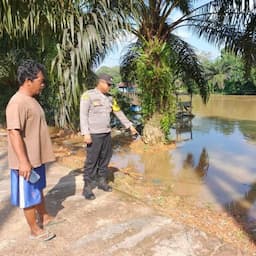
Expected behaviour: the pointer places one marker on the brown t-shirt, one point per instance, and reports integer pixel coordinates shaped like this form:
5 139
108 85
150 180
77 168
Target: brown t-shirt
25 114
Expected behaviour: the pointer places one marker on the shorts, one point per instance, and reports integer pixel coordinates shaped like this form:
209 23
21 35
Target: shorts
25 194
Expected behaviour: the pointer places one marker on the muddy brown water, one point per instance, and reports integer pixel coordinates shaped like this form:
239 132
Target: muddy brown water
217 167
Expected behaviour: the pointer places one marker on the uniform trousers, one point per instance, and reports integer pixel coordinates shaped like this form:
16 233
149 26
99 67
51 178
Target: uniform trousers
99 153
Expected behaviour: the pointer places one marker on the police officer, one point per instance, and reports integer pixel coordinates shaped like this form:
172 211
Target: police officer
95 108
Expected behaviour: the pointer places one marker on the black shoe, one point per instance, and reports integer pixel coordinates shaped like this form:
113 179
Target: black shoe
104 186
87 193
89 196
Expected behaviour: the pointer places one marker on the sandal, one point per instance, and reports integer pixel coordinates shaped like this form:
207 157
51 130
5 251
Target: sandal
45 236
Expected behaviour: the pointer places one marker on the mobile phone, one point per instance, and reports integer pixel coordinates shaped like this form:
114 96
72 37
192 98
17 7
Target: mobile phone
34 177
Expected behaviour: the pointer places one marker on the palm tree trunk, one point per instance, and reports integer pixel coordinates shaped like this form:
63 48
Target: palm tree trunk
152 133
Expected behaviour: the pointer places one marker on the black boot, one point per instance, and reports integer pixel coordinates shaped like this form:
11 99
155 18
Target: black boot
87 191
104 185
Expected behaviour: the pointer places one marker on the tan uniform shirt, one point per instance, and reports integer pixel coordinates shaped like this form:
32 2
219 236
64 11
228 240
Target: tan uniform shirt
25 114
95 109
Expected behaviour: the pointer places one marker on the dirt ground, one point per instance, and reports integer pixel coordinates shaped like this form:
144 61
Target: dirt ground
229 226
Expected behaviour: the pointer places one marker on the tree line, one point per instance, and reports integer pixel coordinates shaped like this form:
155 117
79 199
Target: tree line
225 74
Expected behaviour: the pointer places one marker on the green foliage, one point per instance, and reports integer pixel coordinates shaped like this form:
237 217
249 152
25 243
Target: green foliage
10 58
49 101
6 93
8 84
253 75
227 75
82 31
153 22
156 81
228 23
167 120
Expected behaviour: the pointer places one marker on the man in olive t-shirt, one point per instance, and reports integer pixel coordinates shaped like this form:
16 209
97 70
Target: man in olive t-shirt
29 147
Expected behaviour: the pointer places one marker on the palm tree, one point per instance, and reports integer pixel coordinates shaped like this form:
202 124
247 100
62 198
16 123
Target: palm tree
220 22
81 31
226 72
216 74
230 23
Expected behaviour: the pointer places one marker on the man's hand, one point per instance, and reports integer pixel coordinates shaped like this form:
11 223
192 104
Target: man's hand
87 139
18 144
25 170
133 130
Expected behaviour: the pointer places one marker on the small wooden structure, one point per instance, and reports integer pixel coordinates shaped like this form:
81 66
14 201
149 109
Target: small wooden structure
183 125
184 104
130 91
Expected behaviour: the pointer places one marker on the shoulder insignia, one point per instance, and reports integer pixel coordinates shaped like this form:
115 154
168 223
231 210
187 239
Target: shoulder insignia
115 106
85 96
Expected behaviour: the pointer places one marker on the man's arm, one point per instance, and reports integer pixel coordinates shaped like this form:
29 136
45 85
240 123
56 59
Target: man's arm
19 148
84 115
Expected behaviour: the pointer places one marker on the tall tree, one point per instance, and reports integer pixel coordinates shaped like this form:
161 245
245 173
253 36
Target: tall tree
220 22
82 31
230 23
227 75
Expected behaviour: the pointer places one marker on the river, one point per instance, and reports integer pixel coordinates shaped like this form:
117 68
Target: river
216 163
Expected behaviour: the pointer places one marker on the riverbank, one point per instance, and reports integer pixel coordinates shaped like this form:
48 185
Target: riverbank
228 225
138 218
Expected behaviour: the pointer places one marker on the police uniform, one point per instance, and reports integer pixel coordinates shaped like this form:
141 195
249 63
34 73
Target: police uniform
95 109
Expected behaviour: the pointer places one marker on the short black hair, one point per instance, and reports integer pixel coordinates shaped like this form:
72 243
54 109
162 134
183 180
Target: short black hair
29 69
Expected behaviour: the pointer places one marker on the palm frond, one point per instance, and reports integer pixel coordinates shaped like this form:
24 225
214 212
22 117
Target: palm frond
231 24
83 31
128 61
187 64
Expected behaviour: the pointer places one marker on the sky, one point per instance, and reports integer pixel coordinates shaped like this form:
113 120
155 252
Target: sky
200 45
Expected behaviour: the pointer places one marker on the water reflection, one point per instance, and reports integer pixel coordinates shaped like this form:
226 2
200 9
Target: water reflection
202 166
157 166
248 130
228 153
218 164
244 207
188 174
226 126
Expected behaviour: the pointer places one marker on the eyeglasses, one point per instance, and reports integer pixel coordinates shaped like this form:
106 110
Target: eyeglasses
108 83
